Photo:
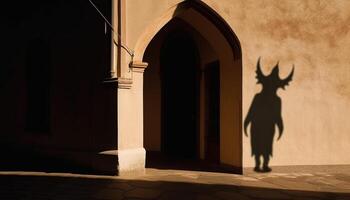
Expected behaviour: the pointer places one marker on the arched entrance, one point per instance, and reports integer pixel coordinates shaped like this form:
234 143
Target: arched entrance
192 87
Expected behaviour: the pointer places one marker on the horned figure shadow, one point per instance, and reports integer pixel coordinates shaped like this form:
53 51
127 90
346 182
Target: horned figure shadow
264 113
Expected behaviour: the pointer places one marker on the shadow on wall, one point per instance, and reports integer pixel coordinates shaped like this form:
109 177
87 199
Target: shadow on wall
264 113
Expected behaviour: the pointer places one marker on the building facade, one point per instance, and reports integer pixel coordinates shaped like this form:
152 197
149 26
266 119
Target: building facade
177 77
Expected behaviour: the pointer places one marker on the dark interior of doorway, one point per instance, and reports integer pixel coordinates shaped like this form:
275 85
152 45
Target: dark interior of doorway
212 133
212 112
179 62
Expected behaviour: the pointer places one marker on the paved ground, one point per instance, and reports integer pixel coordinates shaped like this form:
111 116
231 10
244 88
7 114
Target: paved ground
330 182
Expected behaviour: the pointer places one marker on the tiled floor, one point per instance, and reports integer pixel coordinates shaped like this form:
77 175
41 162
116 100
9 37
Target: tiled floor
327 182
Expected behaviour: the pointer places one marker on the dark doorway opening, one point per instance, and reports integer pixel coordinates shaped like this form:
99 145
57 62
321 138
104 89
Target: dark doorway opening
183 99
38 87
179 62
212 114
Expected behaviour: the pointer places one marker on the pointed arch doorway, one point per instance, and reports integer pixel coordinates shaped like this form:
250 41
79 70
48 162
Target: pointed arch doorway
192 88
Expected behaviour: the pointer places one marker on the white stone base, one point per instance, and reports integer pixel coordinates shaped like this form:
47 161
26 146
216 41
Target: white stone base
131 161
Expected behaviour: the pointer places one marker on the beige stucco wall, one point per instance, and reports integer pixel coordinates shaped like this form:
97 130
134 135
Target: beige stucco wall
313 35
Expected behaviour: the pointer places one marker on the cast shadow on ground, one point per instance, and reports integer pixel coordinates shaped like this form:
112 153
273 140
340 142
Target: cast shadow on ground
55 186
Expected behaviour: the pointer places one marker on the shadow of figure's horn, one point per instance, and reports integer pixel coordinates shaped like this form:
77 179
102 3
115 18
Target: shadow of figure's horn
285 82
259 74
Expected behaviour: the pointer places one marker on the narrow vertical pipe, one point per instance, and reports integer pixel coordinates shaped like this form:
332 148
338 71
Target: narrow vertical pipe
119 30
112 74
115 49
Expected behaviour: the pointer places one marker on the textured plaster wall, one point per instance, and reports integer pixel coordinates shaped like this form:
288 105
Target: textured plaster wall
314 35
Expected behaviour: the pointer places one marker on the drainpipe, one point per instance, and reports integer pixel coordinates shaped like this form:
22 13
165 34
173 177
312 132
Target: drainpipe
112 75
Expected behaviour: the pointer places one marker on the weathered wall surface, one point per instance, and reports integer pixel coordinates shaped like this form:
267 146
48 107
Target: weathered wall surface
314 35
